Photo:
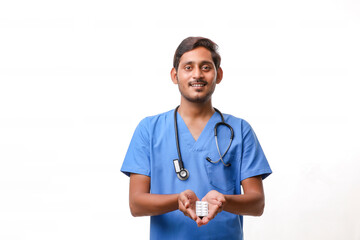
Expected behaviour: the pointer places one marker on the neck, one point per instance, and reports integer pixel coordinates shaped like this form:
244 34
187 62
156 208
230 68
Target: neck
196 110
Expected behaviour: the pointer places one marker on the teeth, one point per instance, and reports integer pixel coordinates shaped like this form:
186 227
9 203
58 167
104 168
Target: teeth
198 85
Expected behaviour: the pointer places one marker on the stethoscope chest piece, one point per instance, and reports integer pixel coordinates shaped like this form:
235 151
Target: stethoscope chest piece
181 172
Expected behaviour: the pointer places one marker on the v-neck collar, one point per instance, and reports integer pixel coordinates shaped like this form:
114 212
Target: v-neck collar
187 140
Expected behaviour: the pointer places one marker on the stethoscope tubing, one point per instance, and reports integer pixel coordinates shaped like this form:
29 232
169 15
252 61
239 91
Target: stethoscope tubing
177 138
183 173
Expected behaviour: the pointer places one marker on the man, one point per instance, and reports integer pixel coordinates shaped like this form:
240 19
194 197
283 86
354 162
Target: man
157 186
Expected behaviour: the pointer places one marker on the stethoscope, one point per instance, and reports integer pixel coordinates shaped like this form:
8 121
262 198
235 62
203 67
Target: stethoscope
181 172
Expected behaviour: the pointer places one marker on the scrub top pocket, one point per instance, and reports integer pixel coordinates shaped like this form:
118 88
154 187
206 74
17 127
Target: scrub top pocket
220 176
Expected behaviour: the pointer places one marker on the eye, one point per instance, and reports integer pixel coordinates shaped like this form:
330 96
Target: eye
187 67
206 67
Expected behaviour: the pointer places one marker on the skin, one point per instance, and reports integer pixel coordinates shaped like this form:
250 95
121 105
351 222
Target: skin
196 78
196 66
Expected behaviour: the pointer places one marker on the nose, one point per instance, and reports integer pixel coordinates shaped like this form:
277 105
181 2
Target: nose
197 73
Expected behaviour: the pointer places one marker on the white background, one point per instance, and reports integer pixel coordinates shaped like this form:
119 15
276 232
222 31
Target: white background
76 77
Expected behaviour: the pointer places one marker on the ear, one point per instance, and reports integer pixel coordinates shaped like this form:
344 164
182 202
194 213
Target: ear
219 75
173 75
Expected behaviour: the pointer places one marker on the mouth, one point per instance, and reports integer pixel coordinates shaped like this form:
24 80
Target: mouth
197 84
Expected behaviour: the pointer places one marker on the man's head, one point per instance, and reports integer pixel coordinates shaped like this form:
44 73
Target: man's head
191 43
196 69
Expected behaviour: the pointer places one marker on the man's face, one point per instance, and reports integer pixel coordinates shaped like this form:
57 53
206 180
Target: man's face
196 75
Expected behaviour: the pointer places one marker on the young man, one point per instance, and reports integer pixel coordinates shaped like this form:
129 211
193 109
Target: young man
174 159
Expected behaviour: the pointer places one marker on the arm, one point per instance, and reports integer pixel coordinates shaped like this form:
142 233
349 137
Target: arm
252 202
144 203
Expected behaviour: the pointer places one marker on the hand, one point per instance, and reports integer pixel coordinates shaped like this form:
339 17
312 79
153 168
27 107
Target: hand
187 204
216 203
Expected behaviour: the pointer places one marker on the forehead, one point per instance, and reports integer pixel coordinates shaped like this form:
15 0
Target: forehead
197 55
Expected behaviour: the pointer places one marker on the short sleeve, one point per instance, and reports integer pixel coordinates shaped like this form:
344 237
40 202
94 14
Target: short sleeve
254 162
137 158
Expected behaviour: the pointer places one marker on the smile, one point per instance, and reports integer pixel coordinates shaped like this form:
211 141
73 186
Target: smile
198 85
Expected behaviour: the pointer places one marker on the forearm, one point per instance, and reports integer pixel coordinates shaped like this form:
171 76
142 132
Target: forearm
247 204
147 204
252 202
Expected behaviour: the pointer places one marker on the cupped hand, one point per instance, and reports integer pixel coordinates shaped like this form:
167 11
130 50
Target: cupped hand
216 202
187 204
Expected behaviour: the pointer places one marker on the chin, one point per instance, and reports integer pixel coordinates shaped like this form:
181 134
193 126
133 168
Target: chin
197 99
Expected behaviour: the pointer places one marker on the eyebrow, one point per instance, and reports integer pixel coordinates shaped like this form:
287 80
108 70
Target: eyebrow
201 63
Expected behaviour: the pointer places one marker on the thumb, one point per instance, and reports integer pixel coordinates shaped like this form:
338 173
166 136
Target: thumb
220 200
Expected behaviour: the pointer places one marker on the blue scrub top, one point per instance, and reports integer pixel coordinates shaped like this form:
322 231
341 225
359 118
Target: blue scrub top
153 149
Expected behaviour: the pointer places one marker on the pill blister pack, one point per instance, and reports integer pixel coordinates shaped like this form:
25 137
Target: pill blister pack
202 209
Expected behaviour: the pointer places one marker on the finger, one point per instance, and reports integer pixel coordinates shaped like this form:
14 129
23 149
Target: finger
184 200
221 199
199 222
212 213
192 197
192 214
187 211
205 221
183 209
217 202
